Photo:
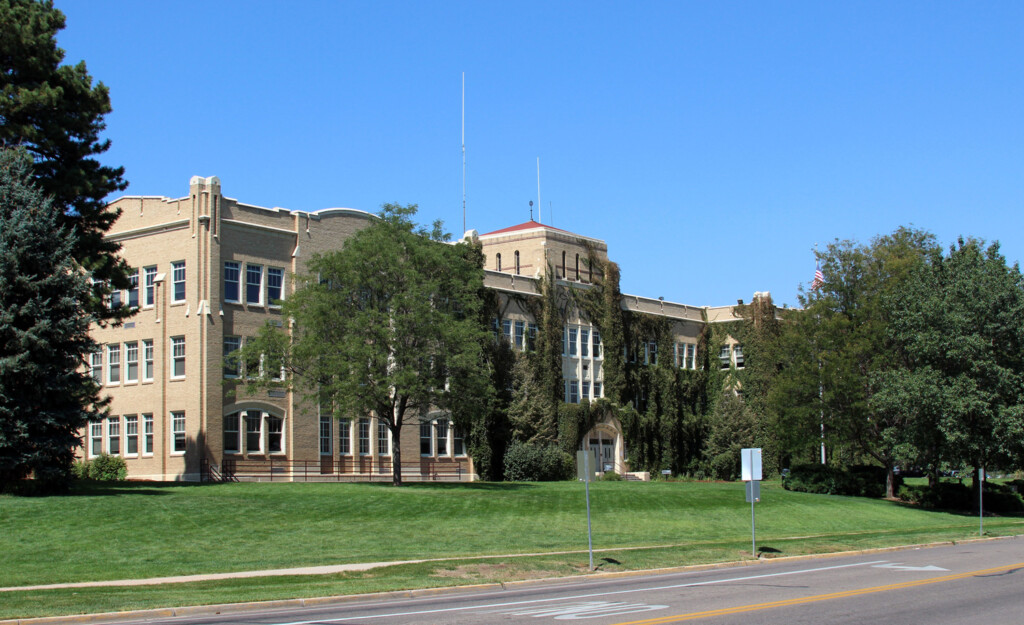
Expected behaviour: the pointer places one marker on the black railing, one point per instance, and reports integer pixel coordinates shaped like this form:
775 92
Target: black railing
270 470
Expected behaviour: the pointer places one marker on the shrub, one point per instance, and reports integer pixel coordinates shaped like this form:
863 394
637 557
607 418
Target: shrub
611 476
856 480
962 498
527 462
80 469
108 468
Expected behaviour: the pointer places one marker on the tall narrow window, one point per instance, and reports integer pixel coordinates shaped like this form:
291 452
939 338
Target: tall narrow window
506 329
572 341
597 344
131 435
597 390
232 434
178 432
577 267
520 334
131 361
96 366
232 271
133 289
426 439
344 437
95 438
574 392
275 285
254 432
458 444
149 287
723 357
177 357
531 336
652 352
585 389
364 436
231 346
114 436
275 435
383 448
113 364
147 434
253 284
147 360
497 262
691 355
584 343
115 300
564 274
178 281
325 436
441 429
517 262
737 352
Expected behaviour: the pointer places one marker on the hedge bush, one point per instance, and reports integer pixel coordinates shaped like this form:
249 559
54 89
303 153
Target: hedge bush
103 467
526 462
1000 498
855 480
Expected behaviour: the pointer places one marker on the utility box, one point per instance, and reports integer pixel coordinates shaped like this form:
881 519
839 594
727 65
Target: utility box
750 468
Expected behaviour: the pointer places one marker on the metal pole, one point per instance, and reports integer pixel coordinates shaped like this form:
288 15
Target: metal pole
981 515
753 527
590 536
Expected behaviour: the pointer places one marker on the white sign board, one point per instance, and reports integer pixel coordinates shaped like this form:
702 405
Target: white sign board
750 468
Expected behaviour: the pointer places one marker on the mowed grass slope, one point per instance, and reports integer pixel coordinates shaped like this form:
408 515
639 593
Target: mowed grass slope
137 530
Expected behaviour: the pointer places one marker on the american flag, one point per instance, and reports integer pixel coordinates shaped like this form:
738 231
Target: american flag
819 278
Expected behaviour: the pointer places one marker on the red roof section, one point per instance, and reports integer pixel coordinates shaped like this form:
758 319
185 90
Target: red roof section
524 226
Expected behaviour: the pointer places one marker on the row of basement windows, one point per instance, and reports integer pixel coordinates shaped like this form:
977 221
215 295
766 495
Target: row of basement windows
121 436
438 438
263 285
133 361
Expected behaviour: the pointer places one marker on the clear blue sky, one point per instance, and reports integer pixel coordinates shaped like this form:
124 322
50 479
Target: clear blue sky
710 144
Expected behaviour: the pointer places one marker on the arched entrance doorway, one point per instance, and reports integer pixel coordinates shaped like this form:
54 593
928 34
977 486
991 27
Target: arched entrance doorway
605 440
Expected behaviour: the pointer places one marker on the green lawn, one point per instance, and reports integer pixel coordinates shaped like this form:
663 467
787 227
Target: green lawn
134 530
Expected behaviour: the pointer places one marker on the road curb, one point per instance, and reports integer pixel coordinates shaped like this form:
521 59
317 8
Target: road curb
227 608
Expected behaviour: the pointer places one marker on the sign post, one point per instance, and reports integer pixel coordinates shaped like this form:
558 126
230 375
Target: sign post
750 472
585 463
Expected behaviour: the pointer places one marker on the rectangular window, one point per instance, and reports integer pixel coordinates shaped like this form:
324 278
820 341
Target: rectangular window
680 355
531 336
723 357
232 434
114 436
325 436
597 344
232 271
652 352
95 438
253 284
275 435
574 392
113 364
254 432
691 355
115 300
149 287
231 345
131 361
426 439
441 429
178 432
573 332
364 436
147 431
737 353
520 334
344 437
275 285
133 289
584 343
178 281
597 390
458 444
131 435
177 357
585 389
383 449
147 361
96 366
506 329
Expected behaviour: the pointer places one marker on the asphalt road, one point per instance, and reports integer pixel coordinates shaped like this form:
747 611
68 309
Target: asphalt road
976 582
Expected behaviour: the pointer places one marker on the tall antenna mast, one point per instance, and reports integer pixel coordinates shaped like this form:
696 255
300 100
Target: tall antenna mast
463 151
540 216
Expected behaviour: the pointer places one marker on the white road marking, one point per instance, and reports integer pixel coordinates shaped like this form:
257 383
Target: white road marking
493 606
580 610
902 567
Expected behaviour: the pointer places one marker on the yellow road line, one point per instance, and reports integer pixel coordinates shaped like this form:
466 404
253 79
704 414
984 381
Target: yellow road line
678 618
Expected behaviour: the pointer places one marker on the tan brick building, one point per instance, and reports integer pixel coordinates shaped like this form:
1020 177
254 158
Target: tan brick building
208 273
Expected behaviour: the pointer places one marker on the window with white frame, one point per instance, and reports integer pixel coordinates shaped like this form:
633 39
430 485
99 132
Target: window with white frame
113 364
114 300
652 352
506 329
426 438
95 438
131 435
737 354
584 343
147 360
178 281
573 334
114 436
691 355
325 436
531 336
149 287
275 434
231 346
574 391
364 436
723 357
232 434
96 366
147 434
458 443
344 437
383 439
585 389
441 435
597 390
131 361
177 357
253 284
597 344
520 334
232 273
275 285
133 289
254 432
177 432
